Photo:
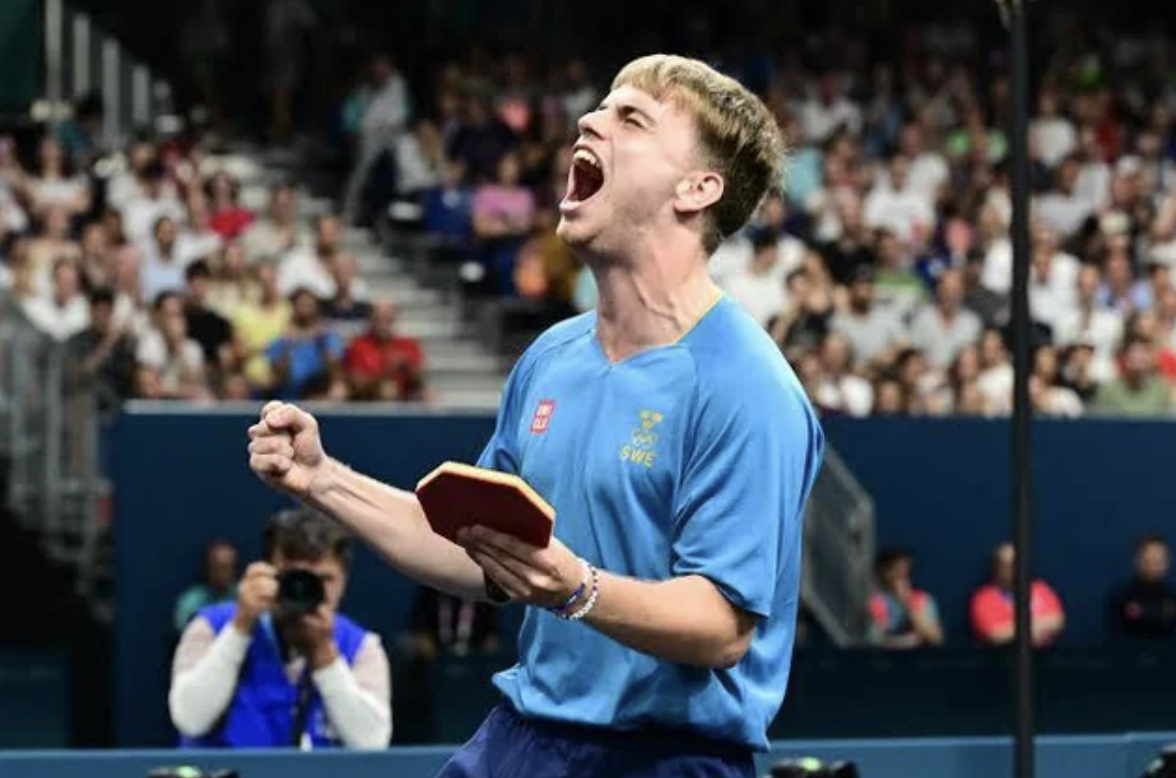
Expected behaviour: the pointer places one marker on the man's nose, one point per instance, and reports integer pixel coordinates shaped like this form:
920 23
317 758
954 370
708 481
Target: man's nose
591 124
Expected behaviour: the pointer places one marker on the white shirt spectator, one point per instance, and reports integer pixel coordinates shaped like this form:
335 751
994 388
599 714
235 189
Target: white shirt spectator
1098 327
734 255
929 172
141 214
172 366
1050 298
160 274
871 333
191 246
940 340
59 322
849 394
1062 213
302 269
386 114
265 239
1054 138
62 191
762 296
820 120
1094 184
997 275
901 212
996 384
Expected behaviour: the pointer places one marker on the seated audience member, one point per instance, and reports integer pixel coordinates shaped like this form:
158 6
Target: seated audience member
381 365
228 218
901 615
758 287
1145 609
348 303
52 244
307 355
873 331
944 328
64 312
205 326
161 267
992 611
279 231
309 267
503 215
1139 390
102 356
197 239
218 582
280 666
448 208
171 365
257 324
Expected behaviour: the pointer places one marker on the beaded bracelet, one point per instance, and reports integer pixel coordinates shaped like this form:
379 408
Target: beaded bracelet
570 601
588 606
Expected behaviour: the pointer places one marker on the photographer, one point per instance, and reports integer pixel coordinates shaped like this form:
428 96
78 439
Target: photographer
280 667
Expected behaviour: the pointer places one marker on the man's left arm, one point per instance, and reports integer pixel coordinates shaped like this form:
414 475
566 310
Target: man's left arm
735 528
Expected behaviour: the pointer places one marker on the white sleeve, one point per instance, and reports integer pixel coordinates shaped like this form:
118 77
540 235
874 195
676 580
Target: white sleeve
201 691
361 714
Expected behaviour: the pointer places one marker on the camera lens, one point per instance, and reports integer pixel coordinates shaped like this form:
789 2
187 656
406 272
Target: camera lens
300 592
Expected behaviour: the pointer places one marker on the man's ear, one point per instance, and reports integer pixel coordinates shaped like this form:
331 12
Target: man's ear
698 191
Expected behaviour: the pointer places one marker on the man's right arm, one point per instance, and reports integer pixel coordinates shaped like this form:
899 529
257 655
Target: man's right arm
392 521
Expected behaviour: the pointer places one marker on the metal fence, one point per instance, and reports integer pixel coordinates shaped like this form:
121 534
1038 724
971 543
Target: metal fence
49 427
80 58
837 575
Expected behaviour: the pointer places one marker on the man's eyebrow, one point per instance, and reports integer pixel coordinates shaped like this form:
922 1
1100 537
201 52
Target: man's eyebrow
626 110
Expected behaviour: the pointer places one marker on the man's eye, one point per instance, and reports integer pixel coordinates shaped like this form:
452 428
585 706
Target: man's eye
631 120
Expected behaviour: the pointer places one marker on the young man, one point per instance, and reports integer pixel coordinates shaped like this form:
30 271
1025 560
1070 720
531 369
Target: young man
674 441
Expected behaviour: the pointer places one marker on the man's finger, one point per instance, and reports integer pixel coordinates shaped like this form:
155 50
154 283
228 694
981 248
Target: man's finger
270 407
290 418
505 543
279 445
270 464
511 583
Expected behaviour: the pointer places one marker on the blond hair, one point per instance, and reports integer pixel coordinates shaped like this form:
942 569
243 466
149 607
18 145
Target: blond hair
739 134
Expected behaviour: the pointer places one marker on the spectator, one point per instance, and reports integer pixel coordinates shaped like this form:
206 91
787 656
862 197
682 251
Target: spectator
279 232
839 389
64 312
1048 396
1052 135
310 269
1064 209
55 185
1139 390
102 356
895 205
901 616
96 262
481 141
1088 322
889 398
382 365
827 111
53 244
1052 281
305 359
1078 373
991 307
171 365
347 305
234 284
448 208
131 183
992 611
758 287
996 377
197 239
268 671
162 268
928 172
897 287
142 213
873 332
385 117
803 322
943 329
503 214
218 583
1145 609
1120 291
205 326
228 219
257 324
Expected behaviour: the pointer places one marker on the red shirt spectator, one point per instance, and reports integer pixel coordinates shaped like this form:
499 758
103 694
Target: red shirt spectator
992 612
381 365
228 218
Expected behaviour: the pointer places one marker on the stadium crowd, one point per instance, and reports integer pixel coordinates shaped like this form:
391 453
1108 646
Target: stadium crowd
883 271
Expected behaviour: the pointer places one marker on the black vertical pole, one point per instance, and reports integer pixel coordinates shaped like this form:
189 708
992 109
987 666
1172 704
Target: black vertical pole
1022 412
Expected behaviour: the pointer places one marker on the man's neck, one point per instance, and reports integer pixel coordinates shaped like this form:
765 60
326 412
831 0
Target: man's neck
650 301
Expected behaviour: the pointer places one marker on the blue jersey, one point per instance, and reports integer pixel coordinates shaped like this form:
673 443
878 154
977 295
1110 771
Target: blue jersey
691 458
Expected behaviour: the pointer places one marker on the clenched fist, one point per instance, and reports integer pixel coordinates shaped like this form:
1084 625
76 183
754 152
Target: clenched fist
285 450
255 595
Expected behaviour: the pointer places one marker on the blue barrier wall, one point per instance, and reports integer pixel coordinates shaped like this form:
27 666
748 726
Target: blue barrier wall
1123 756
941 489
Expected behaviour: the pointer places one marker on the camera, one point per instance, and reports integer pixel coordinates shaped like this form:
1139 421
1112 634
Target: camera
813 768
299 592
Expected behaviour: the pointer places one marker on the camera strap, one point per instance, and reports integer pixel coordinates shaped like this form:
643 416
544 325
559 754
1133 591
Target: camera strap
301 709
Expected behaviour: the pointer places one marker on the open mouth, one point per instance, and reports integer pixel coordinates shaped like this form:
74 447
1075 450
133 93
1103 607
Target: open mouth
585 179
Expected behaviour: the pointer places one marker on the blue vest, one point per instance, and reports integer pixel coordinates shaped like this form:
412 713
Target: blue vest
261 714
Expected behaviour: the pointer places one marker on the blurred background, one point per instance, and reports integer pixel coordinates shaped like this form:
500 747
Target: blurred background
352 205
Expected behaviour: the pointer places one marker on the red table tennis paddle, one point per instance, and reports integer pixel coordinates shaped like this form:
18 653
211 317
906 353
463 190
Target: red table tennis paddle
456 495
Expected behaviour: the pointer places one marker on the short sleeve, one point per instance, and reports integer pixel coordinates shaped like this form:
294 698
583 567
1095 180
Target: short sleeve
501 451
743 486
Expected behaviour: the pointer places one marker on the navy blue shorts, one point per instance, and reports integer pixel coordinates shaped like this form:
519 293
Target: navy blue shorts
509 746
